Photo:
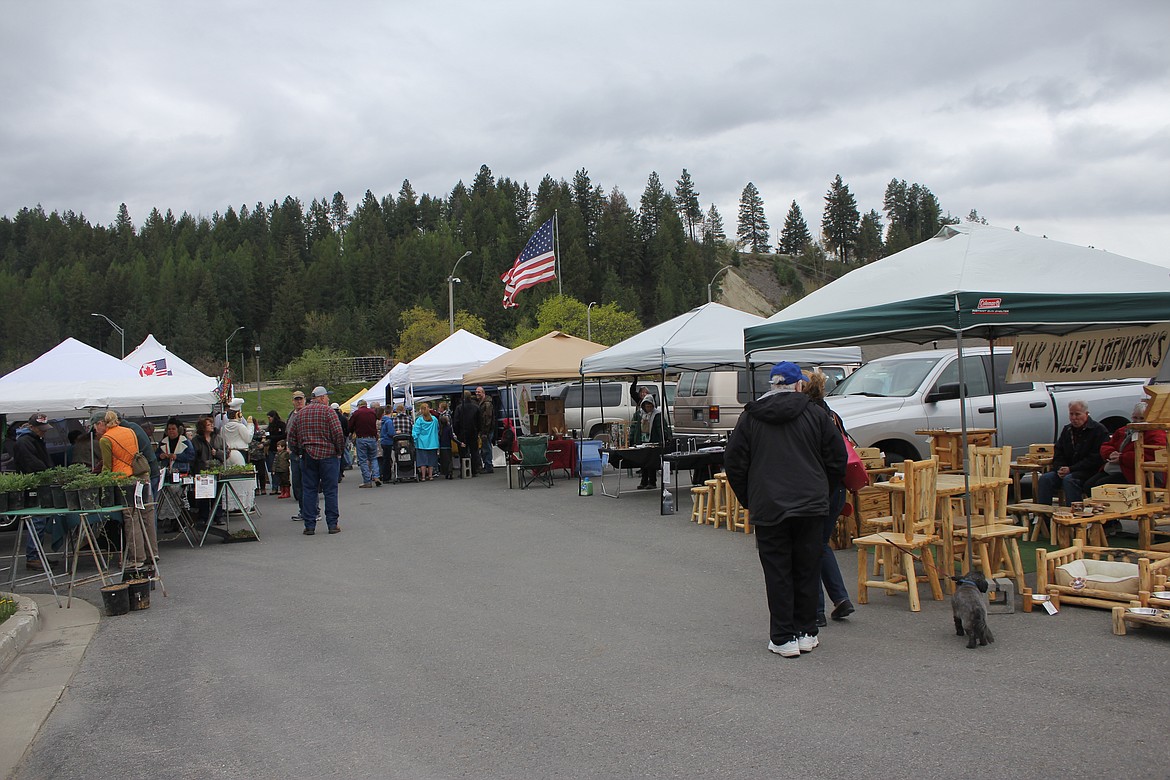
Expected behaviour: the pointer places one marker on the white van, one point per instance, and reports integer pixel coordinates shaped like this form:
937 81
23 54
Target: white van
708 403
605 402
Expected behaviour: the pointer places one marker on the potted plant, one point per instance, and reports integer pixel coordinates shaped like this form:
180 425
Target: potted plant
17 487
109 483
87 489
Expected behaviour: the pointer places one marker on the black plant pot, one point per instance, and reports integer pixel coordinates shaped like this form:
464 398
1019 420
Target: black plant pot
73 500
89 498
15 500
45 497
4 501
59 501
110 495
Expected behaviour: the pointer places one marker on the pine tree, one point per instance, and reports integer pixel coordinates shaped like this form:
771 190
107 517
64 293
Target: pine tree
914 214
713 231
839 225
869 238
795 236
753 225
649 208
687 200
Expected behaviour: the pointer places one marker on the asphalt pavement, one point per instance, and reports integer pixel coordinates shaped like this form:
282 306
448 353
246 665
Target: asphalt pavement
462 629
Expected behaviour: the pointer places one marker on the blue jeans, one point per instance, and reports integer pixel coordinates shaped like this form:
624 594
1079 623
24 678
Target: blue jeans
367 458
319 476
830 571
294 476
485 454
1050 481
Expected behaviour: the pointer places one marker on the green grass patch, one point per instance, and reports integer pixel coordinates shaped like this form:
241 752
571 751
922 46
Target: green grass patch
280 399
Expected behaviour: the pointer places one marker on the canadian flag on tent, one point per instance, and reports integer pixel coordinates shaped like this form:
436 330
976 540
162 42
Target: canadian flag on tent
536 264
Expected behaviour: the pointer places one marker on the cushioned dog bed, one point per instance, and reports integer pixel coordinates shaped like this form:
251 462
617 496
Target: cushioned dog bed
1113 576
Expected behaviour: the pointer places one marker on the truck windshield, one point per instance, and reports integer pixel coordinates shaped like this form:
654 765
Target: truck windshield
886 377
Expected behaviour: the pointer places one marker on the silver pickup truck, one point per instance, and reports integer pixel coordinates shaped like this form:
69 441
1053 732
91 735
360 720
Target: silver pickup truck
886 400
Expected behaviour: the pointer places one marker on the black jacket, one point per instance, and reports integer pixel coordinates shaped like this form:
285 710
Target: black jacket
1080 449
465 423
30 455
783 457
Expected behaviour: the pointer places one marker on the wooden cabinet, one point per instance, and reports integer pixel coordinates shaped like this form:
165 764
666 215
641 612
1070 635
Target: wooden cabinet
546 415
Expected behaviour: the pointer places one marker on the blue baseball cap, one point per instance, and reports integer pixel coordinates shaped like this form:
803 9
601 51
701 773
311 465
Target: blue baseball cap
786 373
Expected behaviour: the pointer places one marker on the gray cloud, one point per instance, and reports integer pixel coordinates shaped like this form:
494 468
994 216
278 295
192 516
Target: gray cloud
1051 113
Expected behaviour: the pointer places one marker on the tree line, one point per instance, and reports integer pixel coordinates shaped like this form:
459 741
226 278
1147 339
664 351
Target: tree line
372 279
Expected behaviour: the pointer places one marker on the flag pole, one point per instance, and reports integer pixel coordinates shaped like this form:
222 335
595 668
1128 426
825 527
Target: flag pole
557 235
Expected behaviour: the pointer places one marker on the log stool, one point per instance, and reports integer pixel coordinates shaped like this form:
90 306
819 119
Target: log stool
700 498
712 500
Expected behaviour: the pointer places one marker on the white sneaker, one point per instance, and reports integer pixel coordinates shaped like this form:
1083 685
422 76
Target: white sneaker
807 643
789 649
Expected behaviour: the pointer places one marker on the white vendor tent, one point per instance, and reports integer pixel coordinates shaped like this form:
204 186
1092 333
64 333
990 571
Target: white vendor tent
441 368
152 359
706 337
73 379
394 378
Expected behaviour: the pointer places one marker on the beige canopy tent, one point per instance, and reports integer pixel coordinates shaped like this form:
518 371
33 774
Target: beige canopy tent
553 356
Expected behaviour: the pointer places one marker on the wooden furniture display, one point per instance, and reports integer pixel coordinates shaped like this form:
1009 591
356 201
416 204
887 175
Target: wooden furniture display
947 486
1021 467
994 541
1125 616
1154 475
1090 529
1149 565
546 415
1040 517
914 531
947 444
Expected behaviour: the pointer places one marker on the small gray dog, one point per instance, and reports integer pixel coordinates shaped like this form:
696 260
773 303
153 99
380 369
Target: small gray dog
969 610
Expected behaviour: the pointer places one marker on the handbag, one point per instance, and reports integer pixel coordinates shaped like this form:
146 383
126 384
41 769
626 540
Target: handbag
856 477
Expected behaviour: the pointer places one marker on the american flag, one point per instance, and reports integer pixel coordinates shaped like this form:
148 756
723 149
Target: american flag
535 264
155 368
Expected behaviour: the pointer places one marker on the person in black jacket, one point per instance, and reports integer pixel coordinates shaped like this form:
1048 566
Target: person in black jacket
1076 457
465 428
782 459
30 455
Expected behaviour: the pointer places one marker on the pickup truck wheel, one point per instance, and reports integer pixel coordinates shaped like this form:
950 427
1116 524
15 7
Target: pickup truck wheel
1113 423
596 429
897 451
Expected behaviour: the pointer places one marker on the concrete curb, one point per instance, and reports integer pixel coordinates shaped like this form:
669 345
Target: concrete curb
17 631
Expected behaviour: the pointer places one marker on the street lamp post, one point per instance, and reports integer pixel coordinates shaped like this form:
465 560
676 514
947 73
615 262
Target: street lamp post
259 405
225 345
451 282
114 325
713 278
589 321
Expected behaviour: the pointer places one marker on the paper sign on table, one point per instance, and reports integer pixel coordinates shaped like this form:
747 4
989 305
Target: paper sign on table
204 486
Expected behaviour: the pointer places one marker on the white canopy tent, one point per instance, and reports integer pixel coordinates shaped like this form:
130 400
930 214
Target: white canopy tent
706 337
378 391
152 359
441 368
73 379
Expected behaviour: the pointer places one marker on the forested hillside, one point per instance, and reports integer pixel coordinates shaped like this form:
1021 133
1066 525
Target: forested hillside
341 278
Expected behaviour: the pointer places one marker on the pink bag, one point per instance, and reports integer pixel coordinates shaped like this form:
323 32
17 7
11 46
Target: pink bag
856 477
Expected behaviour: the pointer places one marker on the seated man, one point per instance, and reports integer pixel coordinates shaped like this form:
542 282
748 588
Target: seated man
1076 458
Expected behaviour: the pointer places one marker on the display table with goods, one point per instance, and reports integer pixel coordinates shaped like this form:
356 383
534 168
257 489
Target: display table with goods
220 485
637 457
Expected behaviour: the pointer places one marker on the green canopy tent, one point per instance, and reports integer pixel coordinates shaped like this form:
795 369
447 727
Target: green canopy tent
977 280
971 280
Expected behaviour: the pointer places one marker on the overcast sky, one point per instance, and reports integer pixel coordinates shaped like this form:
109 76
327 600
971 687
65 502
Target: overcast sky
1053 115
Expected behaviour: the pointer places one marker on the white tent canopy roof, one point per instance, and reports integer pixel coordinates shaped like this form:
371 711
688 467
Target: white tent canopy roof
447 362
378 391
150 350
706 337
73 378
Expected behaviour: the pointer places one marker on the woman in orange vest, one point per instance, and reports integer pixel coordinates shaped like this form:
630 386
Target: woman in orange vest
119 445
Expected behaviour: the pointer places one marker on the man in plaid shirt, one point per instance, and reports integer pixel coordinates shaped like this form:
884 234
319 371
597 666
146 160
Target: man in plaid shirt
315 432
402 421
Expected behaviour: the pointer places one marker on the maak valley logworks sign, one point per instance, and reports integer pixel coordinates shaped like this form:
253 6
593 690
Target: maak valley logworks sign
1118 353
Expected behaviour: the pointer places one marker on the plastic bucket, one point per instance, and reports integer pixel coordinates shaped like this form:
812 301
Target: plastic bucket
116 599
139 594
